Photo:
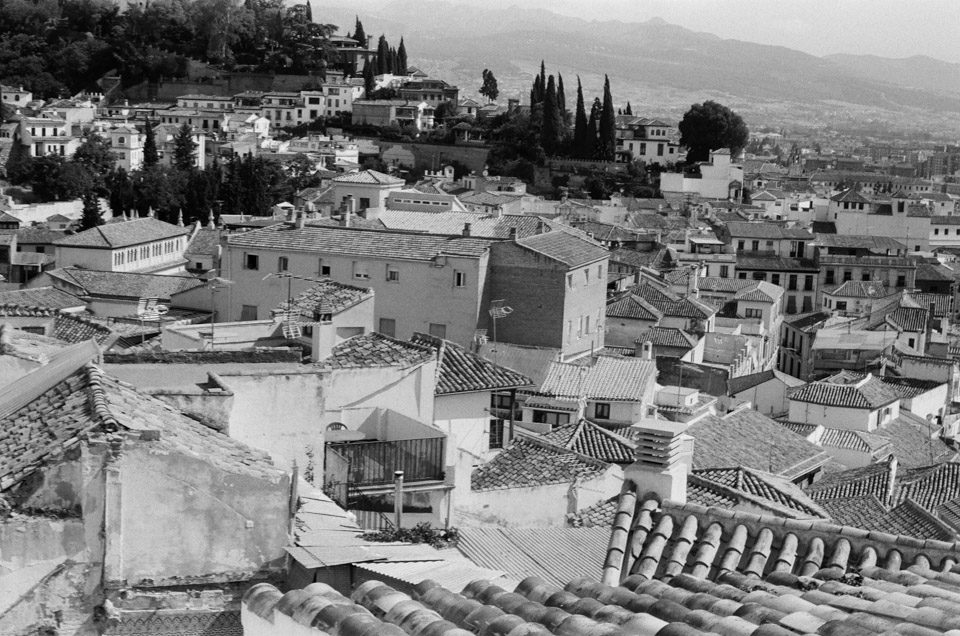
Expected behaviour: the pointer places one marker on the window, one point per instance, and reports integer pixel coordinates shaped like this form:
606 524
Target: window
283 264
459 279
364 203
936 230
865 276
742 275
841 305
388 327
775 279
751 312
360 271
808 282
496 434
549 417
659 150
248 312
829 279
724 271
251 261
601 411
847 275
34 330
324 269
569 281
740 245
586 276
792 284
911 342
901 280
755 246
393 275
438 331
586 324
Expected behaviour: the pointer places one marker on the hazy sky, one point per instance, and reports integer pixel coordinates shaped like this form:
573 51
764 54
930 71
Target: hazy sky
891 28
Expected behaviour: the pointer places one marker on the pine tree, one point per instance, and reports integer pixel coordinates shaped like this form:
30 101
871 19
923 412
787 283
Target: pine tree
184 149
383 56
490 90
369 85
402 58
629 110
582 148
359 35
551 130
561 96
150 155
92 216
607 132
594 128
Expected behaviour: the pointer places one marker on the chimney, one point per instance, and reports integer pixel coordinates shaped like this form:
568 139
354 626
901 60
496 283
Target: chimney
301 220
646 350
467 229
693 286
892 465
929 337
513 234
662 459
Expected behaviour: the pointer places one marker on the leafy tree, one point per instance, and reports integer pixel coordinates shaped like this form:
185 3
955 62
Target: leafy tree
160 188
709 126
92 215
95 155
582 134
445 110
55 179
150 155
184 149
607 133
551 131
489 88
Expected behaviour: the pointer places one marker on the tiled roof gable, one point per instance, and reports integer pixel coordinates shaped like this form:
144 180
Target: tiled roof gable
462 371
617 379
566 248
117 235
376 350
529 463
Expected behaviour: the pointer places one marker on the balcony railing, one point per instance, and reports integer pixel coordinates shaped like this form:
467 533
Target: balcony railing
373 463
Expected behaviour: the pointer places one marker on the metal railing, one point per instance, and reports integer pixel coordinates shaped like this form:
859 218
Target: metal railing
371 463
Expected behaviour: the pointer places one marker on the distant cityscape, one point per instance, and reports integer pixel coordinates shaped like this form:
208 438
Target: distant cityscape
297 337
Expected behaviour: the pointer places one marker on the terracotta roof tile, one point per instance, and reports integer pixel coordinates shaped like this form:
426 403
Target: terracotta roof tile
126 284
767 489
371 177
747 438
667 337
589 439
616 379
744 382
461 371
873 479
529 463
206 242
868 394
670 305
358 242
48 297
376 350
566 248
115 235
632 306
326 297
74 329
854 440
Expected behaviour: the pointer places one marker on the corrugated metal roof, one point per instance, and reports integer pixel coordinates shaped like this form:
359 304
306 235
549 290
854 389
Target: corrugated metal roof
452 575
554 554
318 557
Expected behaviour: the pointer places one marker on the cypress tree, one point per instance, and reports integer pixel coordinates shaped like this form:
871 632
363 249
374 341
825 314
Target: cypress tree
607 134
561 96
542 79
309 12
92 216
359 35
383 56
594 127
150 155
551 131
629 110
368 82
581 146
402 58
184 148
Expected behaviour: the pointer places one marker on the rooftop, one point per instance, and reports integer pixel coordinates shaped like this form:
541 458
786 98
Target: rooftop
532 463
616 379
762 230
868 393
744 382
369 177
632 306
667 337
125 284
462 371
326 297
46 297
592 440
760 291
128 233
566 248
857 289
747 438
376 350
671 305
359 243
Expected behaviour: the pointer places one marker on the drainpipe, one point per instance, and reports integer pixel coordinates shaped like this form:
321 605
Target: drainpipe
398 499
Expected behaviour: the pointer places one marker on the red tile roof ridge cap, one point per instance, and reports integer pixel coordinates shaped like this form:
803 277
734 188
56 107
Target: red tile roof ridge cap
98 398
909 547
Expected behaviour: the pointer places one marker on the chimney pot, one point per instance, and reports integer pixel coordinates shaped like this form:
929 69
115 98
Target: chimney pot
467 228
513 234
